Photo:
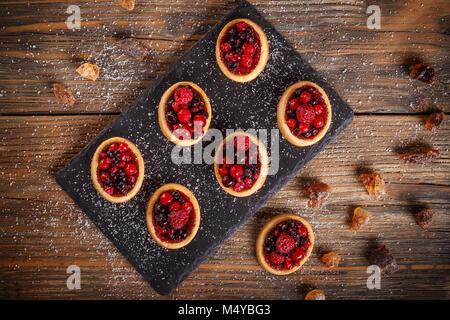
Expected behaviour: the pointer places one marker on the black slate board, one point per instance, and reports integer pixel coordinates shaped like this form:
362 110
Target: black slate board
234 105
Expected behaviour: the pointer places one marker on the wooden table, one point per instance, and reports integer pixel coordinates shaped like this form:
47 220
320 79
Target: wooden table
43 232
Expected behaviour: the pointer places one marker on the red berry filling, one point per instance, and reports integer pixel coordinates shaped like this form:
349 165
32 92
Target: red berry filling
240 48
286 245
117 169
306 112
241 172
173 216
186 112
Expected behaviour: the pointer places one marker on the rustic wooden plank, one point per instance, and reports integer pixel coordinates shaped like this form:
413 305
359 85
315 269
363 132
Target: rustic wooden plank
44 231
365 66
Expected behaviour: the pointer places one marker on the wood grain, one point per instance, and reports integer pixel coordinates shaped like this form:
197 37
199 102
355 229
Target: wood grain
46 232
43 232
367 67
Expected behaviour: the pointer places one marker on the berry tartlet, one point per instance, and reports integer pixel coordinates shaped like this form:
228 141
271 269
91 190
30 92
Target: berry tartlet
242 50
304 113
241 167
284 244
117 170
184 113
173 216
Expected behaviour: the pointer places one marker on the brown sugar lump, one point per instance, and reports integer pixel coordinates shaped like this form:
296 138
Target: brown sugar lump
315 294
360 217
317 193
434 120
63 95
421 155
424 218
89 71
373 182
384 260
331 260
422 72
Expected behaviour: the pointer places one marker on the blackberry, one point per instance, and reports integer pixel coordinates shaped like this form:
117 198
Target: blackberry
227 181
248 172
171 117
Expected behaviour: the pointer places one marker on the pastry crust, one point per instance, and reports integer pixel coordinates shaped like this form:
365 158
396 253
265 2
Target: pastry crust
264 57
263 235
281 111
149 215
264 159
94 166
162 114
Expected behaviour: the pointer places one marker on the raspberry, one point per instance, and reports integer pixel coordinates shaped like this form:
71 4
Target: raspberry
184 115
236 171
130 169
239 186
291 123
288 264
174 206
201 119
225 47
241 26
105 163
318 109
242 143
123 146
285 243
246 61
305 113
318 122
293 104
166 198
223 171
248 182
104 176
248 49
113 147
187 206
178 219
305 97
302 232
276 259
297 254
303 127
109 190
183 95
177 106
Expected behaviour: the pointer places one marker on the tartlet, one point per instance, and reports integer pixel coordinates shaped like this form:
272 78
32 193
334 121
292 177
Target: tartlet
117 170
284 244
242 50
241 177
181 106
304 114
173 216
